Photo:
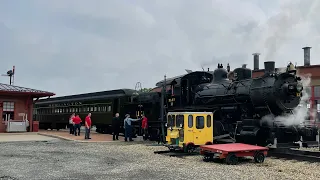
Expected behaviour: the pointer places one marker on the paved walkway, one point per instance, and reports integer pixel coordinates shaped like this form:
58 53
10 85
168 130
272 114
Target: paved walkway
28 136
95 137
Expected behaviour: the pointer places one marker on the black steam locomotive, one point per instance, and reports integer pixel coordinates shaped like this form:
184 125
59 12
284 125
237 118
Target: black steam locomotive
245 108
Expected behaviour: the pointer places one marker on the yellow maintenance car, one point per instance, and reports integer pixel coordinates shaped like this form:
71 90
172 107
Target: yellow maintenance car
188 130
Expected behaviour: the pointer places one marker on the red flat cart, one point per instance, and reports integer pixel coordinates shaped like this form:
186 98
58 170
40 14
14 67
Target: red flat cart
231 152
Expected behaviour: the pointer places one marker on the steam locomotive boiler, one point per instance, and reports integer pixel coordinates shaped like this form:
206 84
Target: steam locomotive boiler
241 103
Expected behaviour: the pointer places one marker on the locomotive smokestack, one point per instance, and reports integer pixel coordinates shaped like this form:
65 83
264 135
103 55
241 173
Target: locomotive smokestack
269 67
256 61
306 56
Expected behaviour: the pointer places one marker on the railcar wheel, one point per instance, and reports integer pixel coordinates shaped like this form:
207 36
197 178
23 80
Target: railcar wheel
232 159
259 157
189 148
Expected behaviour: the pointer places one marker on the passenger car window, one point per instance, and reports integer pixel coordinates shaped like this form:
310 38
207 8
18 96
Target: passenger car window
208 121
190 121
200 122
180 120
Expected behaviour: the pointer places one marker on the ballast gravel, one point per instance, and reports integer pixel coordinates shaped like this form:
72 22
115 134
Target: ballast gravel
109 161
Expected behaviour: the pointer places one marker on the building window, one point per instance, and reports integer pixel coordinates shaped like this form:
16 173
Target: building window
8 106
8 111
316 91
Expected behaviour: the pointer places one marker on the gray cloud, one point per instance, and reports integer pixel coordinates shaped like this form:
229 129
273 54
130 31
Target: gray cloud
80 46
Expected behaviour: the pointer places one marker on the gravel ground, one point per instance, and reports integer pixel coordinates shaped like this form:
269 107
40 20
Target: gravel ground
69 160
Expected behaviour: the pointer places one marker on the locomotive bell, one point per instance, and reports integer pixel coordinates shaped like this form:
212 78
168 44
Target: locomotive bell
291 68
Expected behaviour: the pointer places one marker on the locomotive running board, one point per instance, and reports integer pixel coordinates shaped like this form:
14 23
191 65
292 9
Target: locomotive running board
221 138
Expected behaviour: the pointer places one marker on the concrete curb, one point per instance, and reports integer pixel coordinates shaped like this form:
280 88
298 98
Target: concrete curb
81 141
55 136
3 142
89 141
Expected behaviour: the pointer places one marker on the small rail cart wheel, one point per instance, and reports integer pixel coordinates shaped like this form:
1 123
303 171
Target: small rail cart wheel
259 157
232 159
189 148
208 158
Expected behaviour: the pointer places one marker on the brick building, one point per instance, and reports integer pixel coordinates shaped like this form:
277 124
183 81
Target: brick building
307 68
16 103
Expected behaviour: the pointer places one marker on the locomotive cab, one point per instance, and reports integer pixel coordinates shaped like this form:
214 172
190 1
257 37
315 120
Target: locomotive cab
188 130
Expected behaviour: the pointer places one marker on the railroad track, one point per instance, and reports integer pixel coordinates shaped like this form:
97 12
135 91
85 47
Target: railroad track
176 154
299 155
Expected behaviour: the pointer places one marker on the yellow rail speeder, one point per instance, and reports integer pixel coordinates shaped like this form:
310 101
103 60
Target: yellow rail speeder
188 130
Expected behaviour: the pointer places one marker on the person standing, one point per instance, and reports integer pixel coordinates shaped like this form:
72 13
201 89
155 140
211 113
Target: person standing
144 127
77 123
71 124
87 126
128 127
116 126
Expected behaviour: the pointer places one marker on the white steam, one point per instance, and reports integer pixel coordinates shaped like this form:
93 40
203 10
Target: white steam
299 114
281 70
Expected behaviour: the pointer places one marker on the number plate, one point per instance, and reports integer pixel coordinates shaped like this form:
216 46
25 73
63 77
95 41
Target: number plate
298 94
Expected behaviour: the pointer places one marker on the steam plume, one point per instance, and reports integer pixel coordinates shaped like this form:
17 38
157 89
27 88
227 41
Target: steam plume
300 113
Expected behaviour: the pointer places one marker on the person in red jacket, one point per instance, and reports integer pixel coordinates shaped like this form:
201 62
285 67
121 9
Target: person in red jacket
144 127
77 123
88 126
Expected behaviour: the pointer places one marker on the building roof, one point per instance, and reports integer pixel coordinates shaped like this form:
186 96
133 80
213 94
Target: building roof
11 89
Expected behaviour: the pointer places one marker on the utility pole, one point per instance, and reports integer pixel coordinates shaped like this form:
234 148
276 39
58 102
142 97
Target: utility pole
162 109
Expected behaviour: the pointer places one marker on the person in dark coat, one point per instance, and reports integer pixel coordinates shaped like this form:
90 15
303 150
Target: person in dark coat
116 126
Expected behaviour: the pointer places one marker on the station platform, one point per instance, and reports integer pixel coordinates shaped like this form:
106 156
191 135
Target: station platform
23 137
64 134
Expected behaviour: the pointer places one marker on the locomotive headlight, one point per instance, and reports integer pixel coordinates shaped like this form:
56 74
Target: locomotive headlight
170 128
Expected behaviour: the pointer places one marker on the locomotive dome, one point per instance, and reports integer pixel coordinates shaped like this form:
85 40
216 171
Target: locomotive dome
220 73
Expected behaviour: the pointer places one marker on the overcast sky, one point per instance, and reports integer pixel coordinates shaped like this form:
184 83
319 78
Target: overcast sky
77 46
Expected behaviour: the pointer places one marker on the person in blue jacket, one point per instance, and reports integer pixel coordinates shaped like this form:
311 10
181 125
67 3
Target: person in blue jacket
128 127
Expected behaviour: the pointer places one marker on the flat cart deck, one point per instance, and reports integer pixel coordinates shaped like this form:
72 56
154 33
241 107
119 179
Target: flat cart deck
231 152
